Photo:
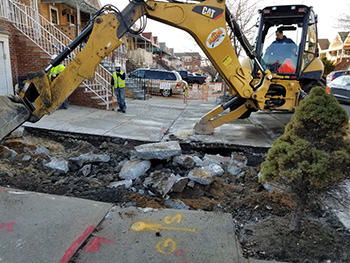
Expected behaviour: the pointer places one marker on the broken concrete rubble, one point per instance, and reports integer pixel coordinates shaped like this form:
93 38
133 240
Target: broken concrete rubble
216 159
90 158
160 182
160 151
134 169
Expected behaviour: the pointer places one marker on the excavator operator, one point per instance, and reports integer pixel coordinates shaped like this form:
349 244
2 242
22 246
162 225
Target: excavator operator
280 56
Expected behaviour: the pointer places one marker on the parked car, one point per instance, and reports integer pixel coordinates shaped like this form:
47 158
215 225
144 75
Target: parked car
192 78
340 88
334 74
160 81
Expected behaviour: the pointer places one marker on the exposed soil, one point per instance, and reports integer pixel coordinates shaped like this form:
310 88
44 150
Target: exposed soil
262 219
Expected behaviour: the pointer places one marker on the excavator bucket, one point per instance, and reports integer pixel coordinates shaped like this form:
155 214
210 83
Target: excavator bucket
13 113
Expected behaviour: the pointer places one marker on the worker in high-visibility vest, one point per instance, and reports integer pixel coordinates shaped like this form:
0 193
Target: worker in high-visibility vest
55 71
118 84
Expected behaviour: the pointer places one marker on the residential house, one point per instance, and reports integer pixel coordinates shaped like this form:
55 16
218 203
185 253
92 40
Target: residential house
338 51
191 61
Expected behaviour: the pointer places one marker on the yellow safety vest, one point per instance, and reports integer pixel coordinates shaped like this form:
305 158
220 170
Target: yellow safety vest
118 82
55 71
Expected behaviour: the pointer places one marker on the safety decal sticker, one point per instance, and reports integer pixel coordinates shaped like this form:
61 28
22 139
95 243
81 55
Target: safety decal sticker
209 11
216 37
227 61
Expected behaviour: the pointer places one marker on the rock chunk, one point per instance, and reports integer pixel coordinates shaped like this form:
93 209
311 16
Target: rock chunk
126 183
201 176
186 161
178 204
26 158
214 169
7 153
85 170
237 163
160 151
42 150
179 184
134 169
59 165
160 182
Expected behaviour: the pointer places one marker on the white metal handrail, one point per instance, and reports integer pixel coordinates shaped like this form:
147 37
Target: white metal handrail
51 40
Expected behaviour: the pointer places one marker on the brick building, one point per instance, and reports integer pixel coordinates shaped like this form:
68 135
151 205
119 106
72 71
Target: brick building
191 61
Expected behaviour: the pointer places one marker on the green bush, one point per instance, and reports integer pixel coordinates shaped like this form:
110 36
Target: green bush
312 155
328 65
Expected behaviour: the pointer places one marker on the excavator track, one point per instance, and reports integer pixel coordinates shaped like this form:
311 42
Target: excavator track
13 113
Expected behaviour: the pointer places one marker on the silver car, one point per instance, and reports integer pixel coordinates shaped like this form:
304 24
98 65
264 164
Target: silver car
340 89
158 81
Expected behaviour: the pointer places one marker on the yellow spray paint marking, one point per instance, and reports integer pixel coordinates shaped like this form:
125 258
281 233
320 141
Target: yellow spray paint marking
168 220
167 247
142 226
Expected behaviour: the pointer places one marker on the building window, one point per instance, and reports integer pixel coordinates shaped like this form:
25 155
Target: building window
188 67
70 19
188 59
54 15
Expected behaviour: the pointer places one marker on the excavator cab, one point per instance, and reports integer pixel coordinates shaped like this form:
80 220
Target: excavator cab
286 44
293 53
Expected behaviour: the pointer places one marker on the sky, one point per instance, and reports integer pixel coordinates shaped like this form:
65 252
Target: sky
327 11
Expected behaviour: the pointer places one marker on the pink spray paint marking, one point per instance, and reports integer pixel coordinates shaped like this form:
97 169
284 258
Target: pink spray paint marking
69 253
2 190
96 243
8 226
178 253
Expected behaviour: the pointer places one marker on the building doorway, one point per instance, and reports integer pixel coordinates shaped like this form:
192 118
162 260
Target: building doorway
5 66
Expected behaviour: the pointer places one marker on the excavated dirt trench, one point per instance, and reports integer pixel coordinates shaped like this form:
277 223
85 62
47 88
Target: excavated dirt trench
261 218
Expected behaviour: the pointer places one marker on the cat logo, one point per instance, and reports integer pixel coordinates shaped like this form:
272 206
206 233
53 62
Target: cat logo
209 11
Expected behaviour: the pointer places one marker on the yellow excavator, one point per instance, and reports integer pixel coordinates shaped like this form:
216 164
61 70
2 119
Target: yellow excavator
269 79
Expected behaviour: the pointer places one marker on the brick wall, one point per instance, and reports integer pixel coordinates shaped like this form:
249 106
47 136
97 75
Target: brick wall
25 55
81 98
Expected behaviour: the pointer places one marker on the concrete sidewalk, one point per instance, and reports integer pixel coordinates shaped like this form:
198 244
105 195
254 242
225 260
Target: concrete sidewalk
155 119
36 228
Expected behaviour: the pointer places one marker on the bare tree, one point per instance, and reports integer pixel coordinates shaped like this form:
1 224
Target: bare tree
208 68
344 20
245 13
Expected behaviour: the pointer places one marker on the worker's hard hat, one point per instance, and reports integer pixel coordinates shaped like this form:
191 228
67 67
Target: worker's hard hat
54 56
117 65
